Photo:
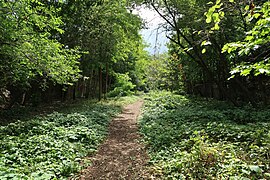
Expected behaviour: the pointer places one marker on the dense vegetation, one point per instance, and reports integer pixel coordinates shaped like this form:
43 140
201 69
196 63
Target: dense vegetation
53 146
190 138
217 49
68 49
61 50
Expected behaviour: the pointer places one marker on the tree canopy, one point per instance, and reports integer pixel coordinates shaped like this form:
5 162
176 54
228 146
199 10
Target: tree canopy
59 42
222 47
217 49
28 50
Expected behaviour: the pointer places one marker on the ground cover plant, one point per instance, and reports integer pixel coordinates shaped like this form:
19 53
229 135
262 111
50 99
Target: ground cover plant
191 138
52 146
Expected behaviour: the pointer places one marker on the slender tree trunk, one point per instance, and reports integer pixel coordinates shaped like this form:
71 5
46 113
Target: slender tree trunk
23 102
74 91
88 85
94 92
91 82
110 82
84 86
106 83
81 87
63 94
100 83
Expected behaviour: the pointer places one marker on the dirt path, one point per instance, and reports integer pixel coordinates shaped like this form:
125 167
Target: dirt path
121 156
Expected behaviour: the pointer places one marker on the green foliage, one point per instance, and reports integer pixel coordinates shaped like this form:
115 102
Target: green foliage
123 86
191 138
28 51
45 43
124 100
141 68
108 31
105 29
253 48
159 72
195 48
52 147
257 42
212 15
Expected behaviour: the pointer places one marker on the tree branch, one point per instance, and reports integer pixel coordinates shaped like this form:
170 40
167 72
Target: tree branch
184 49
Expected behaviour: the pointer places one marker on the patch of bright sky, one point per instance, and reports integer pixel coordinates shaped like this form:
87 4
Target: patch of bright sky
154 35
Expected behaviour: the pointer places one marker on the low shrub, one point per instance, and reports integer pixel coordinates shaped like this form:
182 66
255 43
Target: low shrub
123 86
53 146
191 138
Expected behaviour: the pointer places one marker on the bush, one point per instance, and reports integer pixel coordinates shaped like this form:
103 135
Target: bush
52 147
191 138
123 86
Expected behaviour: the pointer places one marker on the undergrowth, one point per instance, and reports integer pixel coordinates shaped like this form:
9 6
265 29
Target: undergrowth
53 146
191 138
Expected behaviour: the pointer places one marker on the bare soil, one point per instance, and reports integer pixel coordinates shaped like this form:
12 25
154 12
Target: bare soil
121 156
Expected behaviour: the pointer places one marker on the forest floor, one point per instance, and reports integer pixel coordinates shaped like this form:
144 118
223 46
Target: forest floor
122 155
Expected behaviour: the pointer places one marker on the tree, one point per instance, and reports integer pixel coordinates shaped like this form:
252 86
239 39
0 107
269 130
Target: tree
249 53
198 44
187 30
254 48
108 32
28 51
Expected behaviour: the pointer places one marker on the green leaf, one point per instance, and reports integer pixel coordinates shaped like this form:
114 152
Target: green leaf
245 72
209 19
246 172
203 51
221 14
216 27
256 15
255 168
262 71
216 17
205 43
248 38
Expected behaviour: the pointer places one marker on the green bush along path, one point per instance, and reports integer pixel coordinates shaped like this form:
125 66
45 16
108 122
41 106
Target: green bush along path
52 146
185 137
191 138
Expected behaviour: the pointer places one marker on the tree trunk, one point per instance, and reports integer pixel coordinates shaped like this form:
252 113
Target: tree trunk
106 83
74 92
95 84
100 83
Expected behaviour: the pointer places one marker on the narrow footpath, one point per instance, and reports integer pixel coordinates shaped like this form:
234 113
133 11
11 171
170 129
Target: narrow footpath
121 156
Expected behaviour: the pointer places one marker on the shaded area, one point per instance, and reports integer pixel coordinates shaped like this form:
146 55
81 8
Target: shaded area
121 156
25 113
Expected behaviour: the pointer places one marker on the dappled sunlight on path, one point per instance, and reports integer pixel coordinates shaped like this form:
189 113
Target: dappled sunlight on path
121 156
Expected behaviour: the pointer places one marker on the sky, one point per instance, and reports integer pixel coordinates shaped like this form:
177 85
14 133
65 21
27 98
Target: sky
153 35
